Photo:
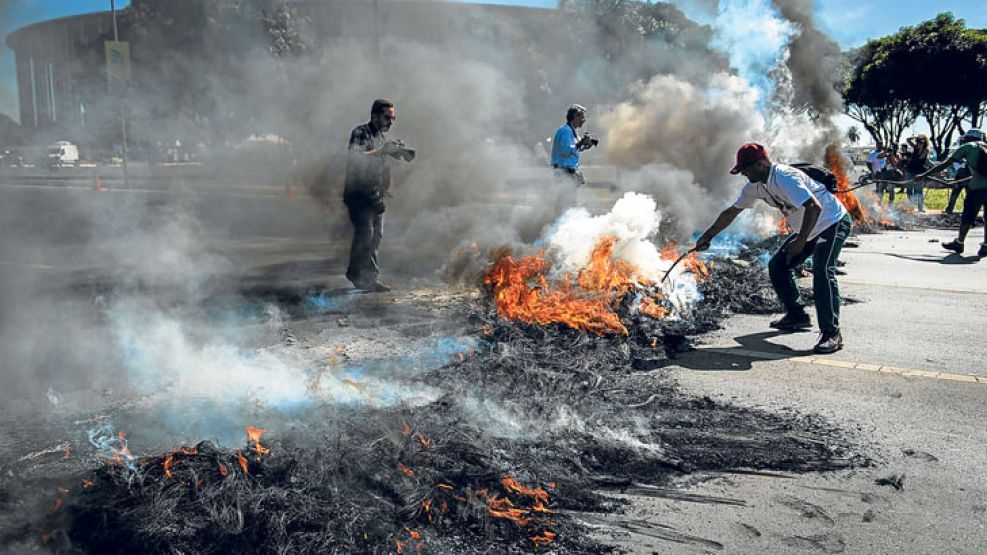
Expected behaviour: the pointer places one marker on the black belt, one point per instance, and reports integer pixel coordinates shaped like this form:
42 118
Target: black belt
569 170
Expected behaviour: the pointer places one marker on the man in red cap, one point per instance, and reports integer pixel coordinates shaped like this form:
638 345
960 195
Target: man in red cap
822 225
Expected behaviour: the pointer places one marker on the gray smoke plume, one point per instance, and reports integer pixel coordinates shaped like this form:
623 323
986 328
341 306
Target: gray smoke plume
476 105
812 59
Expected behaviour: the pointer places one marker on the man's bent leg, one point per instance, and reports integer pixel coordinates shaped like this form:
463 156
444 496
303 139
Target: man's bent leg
825 288
783 276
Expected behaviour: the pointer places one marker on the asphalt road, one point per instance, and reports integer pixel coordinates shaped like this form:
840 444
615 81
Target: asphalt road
910 386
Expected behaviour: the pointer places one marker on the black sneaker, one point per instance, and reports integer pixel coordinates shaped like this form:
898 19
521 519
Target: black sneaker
829 342
954 246
983 250
793 322
377 287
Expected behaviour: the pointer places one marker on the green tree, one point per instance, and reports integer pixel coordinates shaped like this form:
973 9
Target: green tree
853 134
870 93
936 70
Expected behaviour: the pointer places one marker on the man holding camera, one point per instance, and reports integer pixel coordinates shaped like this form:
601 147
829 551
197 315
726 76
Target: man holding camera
368 179
567 145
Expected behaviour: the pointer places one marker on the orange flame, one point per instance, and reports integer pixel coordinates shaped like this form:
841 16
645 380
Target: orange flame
168 462
405 429
543 539
425 441
253 436
243 462
407 471
651 308
837 164
513 486
696 266
782 226
86 484
222 470
523 293
504 508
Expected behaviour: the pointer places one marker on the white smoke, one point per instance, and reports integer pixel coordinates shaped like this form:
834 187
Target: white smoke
634 221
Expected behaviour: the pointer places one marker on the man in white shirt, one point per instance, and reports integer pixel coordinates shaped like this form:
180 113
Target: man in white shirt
822 224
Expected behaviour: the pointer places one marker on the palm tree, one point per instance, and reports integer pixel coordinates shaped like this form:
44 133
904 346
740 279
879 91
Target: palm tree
853 134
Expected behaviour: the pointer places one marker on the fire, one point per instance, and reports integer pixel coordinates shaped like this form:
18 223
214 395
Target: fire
253 436
407 471
836 164
167 464
503 508
651 308
243 462
522 291
86 484
692 264
425 441
541 304
543 539
513 486
222 470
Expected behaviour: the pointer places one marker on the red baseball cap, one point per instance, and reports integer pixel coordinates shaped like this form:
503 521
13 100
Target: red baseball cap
748 154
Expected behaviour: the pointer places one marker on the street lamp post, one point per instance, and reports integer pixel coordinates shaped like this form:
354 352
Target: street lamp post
123 107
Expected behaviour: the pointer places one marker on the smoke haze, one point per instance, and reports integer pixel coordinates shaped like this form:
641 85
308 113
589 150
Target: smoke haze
672 111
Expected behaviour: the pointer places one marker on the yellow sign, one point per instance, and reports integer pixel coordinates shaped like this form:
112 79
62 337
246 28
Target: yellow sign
117 62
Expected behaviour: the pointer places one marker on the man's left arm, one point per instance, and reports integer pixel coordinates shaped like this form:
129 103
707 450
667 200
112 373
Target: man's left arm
809 219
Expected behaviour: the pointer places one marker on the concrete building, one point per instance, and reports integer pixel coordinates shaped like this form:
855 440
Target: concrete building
61 68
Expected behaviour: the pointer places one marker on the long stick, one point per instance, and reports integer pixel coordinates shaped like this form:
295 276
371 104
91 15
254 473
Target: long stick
930 178
676 263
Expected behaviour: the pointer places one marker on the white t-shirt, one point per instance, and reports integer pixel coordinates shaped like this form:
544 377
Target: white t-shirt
787 189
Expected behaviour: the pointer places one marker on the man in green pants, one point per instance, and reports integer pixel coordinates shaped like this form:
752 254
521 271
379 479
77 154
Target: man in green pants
822 225
971 151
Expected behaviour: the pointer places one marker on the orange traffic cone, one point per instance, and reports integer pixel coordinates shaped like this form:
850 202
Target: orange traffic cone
96 183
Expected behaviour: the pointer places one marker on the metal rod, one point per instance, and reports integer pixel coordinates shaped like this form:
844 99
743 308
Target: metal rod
676 263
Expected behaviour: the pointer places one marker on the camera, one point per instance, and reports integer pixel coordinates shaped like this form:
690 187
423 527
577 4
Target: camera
402 152
588 142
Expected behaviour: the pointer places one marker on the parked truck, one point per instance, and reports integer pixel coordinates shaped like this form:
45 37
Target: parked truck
62 154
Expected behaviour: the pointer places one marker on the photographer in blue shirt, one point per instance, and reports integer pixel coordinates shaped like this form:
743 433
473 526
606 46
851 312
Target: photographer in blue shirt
566 145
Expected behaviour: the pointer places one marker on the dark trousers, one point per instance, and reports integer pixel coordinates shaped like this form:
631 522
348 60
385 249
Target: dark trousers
368 230
825 250
954 196
975 200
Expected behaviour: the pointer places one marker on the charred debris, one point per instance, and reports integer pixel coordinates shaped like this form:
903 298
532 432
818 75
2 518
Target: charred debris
535 427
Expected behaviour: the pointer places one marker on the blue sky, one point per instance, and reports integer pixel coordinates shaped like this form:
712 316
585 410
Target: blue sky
850 22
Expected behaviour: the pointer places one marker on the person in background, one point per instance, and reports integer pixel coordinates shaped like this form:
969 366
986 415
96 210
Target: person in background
960 171
567 147
915 163
821 225
368 179
970 151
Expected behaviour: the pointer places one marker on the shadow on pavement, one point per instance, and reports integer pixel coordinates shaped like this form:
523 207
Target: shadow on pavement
949 259
739 357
